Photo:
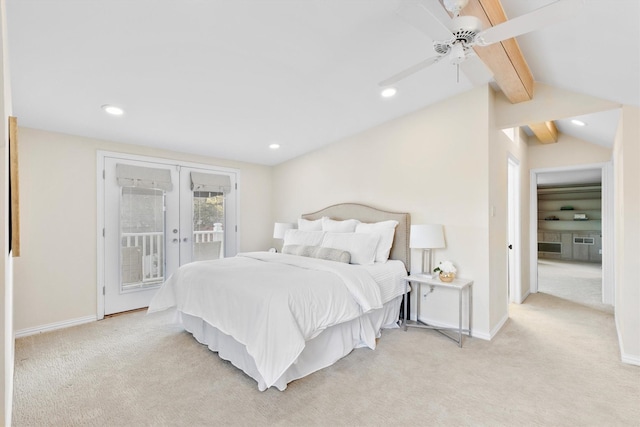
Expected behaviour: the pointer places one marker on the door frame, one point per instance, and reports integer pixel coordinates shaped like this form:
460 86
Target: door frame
514 229
100 213
608 236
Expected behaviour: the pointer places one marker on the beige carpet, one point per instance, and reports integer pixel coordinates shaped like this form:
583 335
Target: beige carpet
555 363
579 282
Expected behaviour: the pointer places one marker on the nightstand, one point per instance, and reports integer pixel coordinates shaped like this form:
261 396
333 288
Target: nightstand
458 284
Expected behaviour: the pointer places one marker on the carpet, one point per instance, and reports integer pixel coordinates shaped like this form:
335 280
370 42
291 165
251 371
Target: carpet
554 363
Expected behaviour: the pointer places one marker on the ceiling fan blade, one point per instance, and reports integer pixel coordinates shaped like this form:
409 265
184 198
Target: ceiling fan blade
409 71
428 17
546 15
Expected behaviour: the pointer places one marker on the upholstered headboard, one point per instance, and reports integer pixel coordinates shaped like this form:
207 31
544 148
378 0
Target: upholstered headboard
399 250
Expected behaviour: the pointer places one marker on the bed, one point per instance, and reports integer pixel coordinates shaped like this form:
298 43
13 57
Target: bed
282 316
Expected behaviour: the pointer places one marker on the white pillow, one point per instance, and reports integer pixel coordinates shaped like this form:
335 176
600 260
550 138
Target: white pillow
333 226
309 225
385 230
362 247
301 237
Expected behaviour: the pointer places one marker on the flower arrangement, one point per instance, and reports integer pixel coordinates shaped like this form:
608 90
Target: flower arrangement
446 270
445 267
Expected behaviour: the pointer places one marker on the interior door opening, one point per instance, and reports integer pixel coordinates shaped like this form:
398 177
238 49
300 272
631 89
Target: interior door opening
573 231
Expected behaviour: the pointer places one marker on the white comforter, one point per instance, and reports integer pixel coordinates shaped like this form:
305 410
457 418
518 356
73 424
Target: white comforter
271 303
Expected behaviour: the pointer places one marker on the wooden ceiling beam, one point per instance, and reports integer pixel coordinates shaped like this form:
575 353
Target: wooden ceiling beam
505 59
546 132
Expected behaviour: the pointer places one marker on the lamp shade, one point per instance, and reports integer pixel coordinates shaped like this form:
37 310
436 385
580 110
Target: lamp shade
427 236
280 228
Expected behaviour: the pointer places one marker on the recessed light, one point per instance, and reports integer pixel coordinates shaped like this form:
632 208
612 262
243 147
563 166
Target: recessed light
113 110
578 122
389 92
274 146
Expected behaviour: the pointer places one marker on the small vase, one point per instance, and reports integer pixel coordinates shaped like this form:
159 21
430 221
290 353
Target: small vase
447 277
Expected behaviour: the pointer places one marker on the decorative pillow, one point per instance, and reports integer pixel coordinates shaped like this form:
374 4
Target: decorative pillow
300 250
385 230
362 247
333 226
301 237
309 225
318 252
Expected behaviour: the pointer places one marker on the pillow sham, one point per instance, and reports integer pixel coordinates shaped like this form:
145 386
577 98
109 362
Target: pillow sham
319 252
386 230
310 225
301 237
334 226
362 247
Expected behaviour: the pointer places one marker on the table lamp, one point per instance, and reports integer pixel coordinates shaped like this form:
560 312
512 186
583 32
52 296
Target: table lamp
279 228
427 237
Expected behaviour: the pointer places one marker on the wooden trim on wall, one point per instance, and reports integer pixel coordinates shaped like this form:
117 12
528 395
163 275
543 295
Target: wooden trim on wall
14 220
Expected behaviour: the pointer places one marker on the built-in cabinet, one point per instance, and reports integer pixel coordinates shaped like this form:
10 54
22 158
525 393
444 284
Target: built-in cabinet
570 223
577 246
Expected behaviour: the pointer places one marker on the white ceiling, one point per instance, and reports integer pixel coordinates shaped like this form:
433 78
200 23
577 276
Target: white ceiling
227 78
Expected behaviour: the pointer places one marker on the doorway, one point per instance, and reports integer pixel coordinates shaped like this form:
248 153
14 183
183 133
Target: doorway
572 240
154 216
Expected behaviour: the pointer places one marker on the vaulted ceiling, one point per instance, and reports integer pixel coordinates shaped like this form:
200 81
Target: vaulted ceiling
227 78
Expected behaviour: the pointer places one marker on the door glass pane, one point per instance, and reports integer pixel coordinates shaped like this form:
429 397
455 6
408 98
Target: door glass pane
208 225
142 238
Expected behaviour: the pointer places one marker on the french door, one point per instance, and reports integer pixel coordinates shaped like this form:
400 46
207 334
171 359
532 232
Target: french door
158 216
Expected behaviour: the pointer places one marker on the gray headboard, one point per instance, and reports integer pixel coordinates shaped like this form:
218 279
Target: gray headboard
399 250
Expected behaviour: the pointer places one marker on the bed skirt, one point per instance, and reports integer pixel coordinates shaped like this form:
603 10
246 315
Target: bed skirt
324 350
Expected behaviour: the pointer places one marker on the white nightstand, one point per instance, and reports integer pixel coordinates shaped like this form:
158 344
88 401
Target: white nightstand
458 284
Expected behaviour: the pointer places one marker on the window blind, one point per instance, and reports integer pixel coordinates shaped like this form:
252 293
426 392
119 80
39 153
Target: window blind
142 177
210 182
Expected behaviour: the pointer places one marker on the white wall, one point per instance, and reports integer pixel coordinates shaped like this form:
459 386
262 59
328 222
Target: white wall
56 274
626 158
548 103
434 164
568 151
500 149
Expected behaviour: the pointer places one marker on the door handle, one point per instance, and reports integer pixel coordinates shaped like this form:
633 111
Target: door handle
175 240
184 239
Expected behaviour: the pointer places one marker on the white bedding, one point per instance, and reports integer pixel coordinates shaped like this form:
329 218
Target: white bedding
274 303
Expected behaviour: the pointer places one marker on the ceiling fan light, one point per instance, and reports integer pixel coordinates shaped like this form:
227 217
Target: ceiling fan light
578 122
389 92
274 146
457 54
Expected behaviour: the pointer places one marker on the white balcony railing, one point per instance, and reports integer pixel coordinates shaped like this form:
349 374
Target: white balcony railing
143 256
142 259
208 236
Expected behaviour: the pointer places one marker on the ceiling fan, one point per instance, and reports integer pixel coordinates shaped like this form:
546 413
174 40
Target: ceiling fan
455 37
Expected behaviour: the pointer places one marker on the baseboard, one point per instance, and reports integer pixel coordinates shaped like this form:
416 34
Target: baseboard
489 336
53 326
525 296
631 359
